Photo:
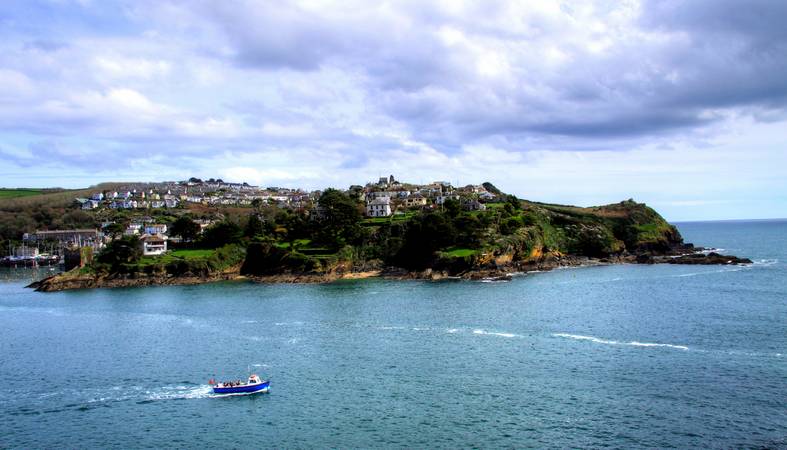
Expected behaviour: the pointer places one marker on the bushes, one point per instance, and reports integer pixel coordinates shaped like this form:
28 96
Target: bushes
169 264
263 258
221 234
120 252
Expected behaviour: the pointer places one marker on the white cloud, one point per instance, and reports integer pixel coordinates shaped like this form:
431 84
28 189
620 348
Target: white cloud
621 98
122 68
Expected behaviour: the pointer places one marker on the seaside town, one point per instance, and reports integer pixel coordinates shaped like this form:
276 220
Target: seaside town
148 210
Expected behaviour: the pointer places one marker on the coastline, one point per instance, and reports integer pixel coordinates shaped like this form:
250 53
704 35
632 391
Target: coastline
68 281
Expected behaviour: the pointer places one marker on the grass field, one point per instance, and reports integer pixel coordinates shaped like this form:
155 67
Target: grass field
175 255
394 218
192 254
15 193
459 253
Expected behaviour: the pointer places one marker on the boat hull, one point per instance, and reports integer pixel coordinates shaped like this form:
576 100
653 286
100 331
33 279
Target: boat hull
245 389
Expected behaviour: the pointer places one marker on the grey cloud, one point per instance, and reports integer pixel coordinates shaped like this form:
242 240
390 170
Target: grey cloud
394 69
755 20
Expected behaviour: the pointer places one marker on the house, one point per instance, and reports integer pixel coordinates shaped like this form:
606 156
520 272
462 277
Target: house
204 224
380 194
98 196
91 204
379 207
133 229
442 198
171 203
474 205
67 238
153 244
415 200
487 196
157 228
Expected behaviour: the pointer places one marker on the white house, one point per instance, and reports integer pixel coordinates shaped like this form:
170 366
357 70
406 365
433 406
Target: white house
133 228
158 228
379 207
153 244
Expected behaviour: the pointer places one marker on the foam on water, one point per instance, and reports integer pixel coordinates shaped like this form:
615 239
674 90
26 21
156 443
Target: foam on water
179 392
765 262
613 342
712 272
493 333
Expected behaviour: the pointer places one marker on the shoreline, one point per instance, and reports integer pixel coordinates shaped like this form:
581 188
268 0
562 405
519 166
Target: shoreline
66 281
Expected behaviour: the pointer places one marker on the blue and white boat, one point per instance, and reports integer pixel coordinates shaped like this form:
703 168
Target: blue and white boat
252 385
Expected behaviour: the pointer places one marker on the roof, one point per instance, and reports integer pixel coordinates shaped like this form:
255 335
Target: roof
85 230
380 201
153 237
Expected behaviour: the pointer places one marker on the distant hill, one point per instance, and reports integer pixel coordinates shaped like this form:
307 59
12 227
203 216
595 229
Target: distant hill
21 192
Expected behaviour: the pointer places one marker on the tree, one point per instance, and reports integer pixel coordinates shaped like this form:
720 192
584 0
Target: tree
115 229
187 229
125 250
221 234
254 227
341 219
425 235
515 203
452 207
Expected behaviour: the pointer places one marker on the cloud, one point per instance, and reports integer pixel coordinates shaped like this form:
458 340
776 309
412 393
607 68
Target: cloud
328 89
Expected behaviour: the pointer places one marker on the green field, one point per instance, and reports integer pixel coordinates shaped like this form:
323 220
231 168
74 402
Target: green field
192 254
175 255
459 253
15 193
394 218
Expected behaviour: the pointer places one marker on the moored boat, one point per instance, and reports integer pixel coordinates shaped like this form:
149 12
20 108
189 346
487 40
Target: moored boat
252 385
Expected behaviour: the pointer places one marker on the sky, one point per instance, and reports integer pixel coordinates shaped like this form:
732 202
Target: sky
678 104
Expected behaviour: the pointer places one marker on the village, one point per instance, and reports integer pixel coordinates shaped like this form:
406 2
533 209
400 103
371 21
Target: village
383 198
150 206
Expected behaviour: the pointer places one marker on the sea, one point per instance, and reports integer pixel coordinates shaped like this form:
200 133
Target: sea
620 356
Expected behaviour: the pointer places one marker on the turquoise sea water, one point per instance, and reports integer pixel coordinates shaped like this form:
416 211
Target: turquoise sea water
619 356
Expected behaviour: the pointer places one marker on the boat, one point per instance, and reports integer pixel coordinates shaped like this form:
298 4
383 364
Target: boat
253 385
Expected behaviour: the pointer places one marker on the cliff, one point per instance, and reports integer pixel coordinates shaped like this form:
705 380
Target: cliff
507 237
